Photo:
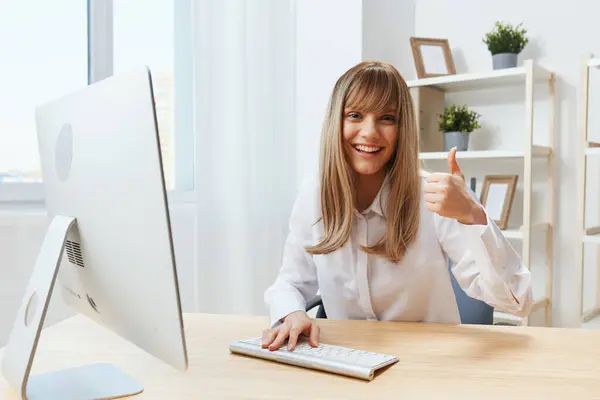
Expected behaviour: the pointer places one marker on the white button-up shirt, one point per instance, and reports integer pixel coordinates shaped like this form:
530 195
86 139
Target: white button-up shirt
357 285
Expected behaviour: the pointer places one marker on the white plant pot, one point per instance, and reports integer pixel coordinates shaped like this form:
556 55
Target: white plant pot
504 60
460 140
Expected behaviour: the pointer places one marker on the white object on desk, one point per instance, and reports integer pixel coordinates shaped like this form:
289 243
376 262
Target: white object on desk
335 359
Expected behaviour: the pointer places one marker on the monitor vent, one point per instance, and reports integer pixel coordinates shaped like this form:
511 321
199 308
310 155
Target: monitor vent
74 253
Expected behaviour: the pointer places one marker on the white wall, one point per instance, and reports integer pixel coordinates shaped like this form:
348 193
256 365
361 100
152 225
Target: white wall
386 27
559 35
331 37
328 42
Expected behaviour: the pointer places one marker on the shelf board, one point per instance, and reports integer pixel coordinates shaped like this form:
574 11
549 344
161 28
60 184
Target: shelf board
537 151
592 239
500 316
591 316
481 80
592 151
593 323
513 233
517 233
594 62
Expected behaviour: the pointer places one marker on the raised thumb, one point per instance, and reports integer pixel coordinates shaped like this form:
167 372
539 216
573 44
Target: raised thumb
453 166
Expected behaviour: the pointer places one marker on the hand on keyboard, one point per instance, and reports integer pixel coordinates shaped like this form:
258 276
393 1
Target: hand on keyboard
295 324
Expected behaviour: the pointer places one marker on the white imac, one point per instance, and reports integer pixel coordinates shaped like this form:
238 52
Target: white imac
108 247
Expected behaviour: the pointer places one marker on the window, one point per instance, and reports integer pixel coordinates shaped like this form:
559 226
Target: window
44 55
155 33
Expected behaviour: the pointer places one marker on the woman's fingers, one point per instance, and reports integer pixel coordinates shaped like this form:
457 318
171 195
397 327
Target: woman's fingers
293 326
268 336
314 335
282 335
294 333
431 197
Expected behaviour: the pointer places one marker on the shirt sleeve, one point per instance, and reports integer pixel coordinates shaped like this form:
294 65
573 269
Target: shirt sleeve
296 282
485 265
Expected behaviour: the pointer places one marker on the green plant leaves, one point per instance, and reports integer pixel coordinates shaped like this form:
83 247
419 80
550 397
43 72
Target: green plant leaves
506 38
458 119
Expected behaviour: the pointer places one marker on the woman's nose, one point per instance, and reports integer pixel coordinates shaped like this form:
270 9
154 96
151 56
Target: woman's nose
369 127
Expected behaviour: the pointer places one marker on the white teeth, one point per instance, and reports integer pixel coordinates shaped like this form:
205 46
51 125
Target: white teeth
367 149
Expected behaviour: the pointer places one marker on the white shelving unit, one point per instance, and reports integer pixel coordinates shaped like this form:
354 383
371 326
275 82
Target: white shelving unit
536 151
523 77
587 149
487 80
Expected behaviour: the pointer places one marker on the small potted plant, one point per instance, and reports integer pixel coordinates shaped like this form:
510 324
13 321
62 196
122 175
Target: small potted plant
505 42
456 123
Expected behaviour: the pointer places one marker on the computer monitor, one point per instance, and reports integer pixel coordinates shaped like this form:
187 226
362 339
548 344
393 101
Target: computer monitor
108 246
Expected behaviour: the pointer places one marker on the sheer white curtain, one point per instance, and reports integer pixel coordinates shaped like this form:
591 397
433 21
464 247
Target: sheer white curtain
245 148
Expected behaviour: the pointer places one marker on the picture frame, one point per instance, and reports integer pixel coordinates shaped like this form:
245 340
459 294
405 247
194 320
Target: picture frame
432 57
497 196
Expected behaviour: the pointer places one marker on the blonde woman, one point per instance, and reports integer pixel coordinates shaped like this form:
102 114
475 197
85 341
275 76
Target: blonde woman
373 235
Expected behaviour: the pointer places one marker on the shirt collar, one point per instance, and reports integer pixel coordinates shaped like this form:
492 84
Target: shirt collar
379 205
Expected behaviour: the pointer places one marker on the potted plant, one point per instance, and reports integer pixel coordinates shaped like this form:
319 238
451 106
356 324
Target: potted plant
456 123
505 42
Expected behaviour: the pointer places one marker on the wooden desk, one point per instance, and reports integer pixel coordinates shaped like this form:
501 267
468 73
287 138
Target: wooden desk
436 361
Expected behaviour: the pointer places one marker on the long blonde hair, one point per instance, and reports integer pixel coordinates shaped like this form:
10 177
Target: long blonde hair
370 86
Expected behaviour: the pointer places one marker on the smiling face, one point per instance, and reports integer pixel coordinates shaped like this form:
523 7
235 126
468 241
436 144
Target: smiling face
370 139
370 122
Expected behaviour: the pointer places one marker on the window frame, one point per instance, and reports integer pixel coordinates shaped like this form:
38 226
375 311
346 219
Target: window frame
100 52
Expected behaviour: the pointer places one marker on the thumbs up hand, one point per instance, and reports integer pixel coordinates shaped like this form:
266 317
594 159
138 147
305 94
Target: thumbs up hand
447 195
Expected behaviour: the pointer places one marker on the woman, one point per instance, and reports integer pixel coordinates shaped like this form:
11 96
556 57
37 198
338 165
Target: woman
373 234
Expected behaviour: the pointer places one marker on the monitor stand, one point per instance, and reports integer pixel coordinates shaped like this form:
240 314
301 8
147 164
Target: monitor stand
95 381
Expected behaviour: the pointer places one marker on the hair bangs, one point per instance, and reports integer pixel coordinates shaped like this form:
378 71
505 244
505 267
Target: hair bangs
375 89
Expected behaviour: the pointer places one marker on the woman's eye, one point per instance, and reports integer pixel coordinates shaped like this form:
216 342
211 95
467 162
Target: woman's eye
353 115
389 118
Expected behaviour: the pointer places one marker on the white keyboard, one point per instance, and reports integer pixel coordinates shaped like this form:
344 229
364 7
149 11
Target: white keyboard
335 359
